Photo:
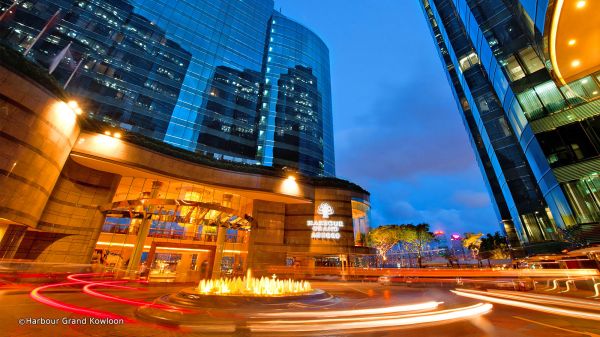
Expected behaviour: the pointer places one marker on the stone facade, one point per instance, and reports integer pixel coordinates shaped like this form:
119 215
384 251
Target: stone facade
74 209
37 133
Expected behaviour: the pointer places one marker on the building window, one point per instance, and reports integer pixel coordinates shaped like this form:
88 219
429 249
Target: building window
583 196
515 72
530 103
530 59
468 61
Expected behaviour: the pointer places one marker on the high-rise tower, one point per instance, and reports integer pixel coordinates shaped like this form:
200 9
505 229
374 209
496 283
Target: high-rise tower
525 76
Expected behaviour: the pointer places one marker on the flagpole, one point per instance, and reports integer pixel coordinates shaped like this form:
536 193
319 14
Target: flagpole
73 73
48 24
8 10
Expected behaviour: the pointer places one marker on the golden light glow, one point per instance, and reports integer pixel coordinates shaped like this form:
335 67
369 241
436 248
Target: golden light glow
290 186
107 133
117 135
63 117
104 143
251 286
572 40
75 107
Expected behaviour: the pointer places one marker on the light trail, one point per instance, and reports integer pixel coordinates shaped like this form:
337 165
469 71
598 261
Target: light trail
549 299
348 313
37 296
88 290
480 295
368 322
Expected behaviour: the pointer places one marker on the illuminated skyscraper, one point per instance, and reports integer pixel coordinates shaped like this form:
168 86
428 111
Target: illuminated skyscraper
200 75
527 89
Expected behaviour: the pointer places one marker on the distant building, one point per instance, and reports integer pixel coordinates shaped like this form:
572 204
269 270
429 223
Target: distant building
202 75
527 89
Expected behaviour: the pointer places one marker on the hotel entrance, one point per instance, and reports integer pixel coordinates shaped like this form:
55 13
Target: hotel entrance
172 262
169 231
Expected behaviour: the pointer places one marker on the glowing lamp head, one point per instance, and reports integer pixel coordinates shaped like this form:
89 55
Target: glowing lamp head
117 135
107 133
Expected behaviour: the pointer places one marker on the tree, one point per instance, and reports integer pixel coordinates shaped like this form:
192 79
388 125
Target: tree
494 247
473 243
415 239
383 238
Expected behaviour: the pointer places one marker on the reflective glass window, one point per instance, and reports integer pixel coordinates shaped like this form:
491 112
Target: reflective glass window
514 70
531 60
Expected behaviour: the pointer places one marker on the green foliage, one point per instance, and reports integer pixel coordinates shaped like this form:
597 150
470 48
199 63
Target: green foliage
494 247
13 60
416 238
473 243
383 238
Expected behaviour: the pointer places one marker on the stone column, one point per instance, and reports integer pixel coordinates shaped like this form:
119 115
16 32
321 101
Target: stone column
11 236
37 133
73 210
221 233
143 231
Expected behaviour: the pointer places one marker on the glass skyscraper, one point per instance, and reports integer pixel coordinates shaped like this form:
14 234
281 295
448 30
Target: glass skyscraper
232 79
526 79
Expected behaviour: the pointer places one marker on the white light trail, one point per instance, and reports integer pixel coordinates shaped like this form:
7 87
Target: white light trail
537 307
369 322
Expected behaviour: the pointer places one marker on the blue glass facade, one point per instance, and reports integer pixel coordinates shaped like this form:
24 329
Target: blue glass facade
493 53
296 121
193 74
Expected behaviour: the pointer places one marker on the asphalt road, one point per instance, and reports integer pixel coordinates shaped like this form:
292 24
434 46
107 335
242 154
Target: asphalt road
501 321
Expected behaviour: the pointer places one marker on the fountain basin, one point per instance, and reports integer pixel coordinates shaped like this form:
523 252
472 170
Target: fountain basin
221 312
191 297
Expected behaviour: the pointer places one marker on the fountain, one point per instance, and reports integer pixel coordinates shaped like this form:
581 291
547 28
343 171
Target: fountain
250 286
239 296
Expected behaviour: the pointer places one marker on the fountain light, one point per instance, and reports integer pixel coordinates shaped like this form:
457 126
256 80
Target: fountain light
251 286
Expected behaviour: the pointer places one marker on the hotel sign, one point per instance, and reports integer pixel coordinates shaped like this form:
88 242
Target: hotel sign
325 229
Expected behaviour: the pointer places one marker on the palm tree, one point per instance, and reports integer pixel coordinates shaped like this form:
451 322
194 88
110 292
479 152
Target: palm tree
473 243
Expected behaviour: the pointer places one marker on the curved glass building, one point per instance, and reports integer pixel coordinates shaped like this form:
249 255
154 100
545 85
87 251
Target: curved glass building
296 126
222 78
527 88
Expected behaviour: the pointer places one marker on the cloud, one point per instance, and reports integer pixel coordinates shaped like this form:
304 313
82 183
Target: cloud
471 199
402 136
448 219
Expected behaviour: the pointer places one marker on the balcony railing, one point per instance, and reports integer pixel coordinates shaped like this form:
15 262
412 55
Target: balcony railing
167 233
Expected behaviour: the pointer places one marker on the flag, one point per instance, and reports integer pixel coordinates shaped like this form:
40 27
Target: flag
9 12
56 61
53 20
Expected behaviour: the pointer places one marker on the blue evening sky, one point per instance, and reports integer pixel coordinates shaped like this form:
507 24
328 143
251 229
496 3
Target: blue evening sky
397 129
